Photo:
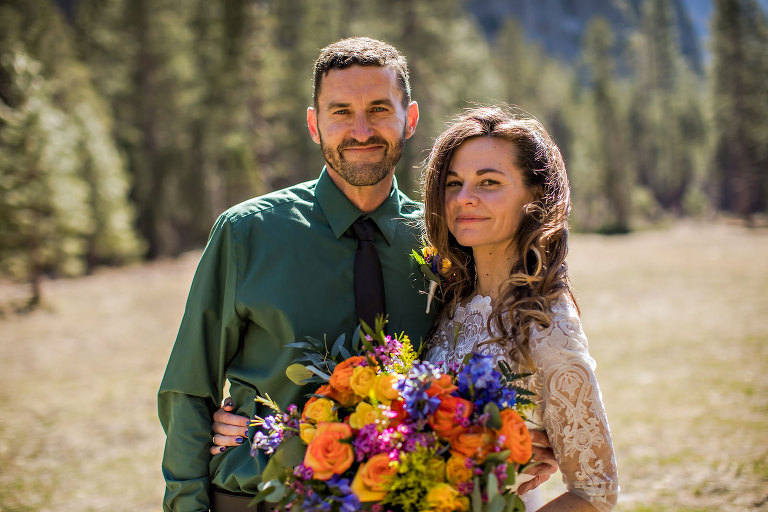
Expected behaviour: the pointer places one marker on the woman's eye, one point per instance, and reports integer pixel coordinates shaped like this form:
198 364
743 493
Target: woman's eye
453 184
489 183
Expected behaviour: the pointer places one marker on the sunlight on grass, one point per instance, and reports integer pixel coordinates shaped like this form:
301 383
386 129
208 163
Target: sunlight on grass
676 321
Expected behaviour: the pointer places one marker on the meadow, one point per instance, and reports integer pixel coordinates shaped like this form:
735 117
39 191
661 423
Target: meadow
677 319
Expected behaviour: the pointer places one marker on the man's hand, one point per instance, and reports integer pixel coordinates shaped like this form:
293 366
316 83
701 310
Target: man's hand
544 459
228 429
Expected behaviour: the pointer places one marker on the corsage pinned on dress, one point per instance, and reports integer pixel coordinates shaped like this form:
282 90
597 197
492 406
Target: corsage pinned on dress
435 268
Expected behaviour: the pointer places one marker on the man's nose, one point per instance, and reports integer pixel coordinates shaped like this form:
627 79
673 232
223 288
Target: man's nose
362 130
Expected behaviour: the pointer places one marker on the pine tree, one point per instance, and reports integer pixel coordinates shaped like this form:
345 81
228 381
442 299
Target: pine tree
740 71
609 139
63 189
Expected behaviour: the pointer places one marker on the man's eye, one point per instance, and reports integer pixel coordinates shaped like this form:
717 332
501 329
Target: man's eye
341 112
378 109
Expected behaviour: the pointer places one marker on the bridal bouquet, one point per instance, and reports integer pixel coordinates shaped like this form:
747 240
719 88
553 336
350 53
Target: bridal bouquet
386 431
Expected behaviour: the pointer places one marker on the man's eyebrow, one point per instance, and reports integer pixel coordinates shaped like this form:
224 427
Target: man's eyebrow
340 104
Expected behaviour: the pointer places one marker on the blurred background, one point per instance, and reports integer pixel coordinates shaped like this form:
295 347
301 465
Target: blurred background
127 126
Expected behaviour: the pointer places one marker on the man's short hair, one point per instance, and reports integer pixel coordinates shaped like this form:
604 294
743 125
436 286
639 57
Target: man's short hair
361 51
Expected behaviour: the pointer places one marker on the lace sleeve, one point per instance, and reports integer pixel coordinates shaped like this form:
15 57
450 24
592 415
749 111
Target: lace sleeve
572 409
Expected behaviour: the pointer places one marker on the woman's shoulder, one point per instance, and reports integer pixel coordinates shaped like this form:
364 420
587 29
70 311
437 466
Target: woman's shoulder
564 335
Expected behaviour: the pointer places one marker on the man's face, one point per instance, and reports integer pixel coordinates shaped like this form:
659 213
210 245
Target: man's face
361 124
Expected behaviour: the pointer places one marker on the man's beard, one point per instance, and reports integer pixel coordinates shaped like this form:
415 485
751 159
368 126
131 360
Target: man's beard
362 174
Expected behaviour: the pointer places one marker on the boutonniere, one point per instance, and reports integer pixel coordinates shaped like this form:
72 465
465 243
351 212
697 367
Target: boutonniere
434 267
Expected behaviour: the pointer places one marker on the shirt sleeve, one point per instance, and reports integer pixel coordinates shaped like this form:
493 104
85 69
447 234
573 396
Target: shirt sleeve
193 382
573 412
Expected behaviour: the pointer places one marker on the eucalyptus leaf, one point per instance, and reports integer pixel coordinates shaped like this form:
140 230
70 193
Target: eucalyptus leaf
356 341
299 344
477 499
298 373
319 373
337 345
494 418
492 486
496 504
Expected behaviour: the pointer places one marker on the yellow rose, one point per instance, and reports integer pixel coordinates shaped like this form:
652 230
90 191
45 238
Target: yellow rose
307 432
384 389
320 410
362 380
364 414
456 470
445 498
373 477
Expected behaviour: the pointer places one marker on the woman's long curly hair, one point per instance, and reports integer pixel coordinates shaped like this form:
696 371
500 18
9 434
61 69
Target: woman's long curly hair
540 276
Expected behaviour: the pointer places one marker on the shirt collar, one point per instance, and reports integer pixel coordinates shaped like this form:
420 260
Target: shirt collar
341 213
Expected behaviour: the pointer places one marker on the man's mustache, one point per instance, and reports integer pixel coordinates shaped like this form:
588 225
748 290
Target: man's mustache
371 141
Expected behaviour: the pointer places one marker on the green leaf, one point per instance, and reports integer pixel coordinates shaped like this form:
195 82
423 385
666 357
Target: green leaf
418 257
477 499
427 271
497 456
492 486
496 504
273 471
494 419
356 341
515 504
291 452
272 491
298 373
338 345
299 344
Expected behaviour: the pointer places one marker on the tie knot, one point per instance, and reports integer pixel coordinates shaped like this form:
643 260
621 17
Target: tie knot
364 229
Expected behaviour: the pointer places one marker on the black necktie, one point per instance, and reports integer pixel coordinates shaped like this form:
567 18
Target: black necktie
369 280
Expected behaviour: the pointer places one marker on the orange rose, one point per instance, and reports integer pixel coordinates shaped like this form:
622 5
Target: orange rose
444 422
517 438
474 442
442 386
456 470
330 452
384 388
373 477
343 372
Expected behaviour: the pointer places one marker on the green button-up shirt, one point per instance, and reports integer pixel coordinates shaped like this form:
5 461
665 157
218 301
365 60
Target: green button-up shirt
276 268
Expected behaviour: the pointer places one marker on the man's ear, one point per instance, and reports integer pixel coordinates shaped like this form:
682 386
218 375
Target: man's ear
411 119
312 125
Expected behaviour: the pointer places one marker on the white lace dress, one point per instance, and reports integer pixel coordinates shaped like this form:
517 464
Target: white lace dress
569 404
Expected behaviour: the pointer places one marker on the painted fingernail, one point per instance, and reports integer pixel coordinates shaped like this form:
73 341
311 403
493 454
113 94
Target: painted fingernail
222 448
246 434
239 440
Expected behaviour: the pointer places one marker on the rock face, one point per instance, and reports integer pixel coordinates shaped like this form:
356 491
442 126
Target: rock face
558 26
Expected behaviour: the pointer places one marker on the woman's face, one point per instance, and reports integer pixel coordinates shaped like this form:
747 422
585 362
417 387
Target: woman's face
485 194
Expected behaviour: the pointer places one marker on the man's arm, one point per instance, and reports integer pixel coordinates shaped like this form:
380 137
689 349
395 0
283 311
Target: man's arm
194 378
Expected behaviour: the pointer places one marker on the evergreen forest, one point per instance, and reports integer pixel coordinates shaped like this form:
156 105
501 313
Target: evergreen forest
126 127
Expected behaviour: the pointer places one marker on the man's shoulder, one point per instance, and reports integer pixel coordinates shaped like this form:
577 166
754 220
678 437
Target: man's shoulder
273 203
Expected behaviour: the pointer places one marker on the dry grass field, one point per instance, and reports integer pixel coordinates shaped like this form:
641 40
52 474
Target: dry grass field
677 320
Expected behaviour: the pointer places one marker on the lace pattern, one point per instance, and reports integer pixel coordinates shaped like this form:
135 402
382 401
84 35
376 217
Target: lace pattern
569 403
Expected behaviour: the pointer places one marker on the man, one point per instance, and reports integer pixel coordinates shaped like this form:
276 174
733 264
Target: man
281 266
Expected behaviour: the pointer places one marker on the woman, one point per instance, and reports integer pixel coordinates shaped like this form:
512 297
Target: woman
496 204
